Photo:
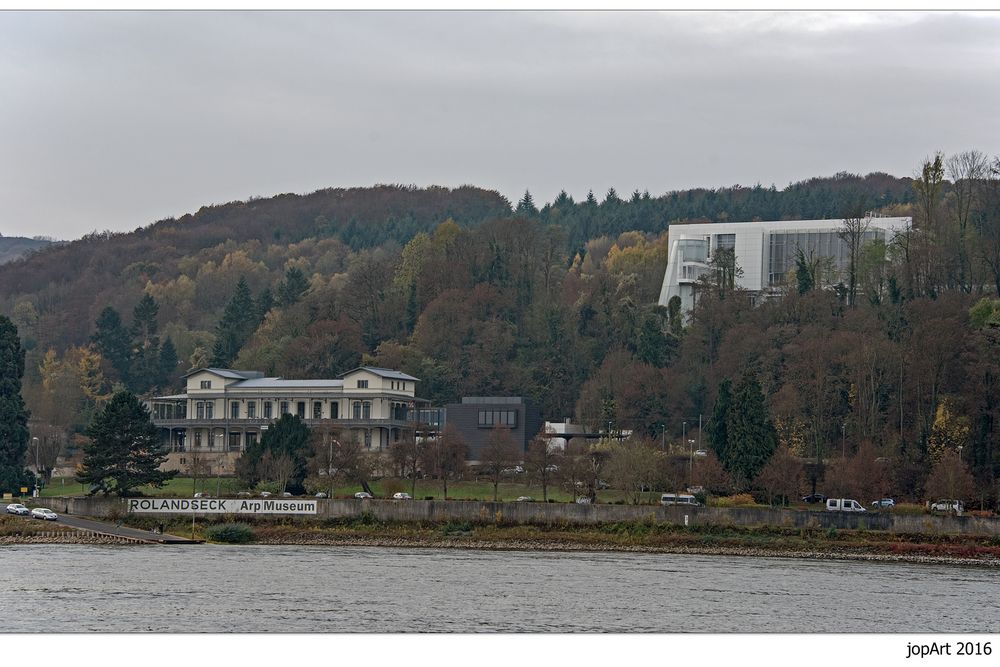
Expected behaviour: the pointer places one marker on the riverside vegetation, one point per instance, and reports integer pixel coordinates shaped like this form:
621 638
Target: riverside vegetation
877 380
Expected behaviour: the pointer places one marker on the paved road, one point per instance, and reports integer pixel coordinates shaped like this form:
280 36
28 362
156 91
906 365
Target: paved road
116 529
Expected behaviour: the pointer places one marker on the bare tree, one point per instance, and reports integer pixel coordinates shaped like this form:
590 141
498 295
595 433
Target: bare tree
44 448
500 454
967 171
541 463
444 456
278 469
633 467
405 456
856 225
950 478
781 477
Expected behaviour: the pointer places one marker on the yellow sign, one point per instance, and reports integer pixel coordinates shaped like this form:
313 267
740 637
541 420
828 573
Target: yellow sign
24 489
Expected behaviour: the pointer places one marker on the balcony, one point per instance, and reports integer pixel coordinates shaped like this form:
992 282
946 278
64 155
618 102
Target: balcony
262 424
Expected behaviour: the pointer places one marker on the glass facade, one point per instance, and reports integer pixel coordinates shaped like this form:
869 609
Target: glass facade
693 250
782 250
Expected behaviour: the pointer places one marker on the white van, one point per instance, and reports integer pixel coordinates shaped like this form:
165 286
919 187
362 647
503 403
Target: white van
677 499
844 505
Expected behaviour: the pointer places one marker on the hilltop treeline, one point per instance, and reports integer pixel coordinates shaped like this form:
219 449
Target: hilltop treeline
478 297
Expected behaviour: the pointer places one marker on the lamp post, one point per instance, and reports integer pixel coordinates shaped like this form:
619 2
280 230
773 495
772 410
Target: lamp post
843 440
960 453
663 437
683 438
34 443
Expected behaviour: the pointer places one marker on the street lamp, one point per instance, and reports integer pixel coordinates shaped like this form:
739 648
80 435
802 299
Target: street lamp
960 453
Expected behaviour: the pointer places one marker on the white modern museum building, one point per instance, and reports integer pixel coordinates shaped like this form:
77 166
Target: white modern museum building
765 251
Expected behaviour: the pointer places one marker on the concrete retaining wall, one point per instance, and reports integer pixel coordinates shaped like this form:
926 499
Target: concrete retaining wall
568 513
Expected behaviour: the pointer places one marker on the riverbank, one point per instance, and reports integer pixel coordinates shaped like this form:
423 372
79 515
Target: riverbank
630 537
634 536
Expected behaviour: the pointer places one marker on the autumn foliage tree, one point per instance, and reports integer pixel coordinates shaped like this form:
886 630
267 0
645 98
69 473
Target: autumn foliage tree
950 478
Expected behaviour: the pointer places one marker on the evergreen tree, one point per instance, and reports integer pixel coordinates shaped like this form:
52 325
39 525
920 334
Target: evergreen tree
286 439
13 414
144 317
717 427
114 342
239 320
526 207
292 287
264 303
751 435
168 363
124 452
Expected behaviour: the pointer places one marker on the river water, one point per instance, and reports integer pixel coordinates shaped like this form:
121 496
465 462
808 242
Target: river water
210 588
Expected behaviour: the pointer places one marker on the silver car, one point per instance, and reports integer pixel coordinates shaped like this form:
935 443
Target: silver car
18 508
44 513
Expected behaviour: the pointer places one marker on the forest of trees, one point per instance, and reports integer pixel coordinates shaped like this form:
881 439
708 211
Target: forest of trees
477 296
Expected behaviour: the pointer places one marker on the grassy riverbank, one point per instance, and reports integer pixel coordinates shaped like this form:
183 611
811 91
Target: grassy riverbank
639 536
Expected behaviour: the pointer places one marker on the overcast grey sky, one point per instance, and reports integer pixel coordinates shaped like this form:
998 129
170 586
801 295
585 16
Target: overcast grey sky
114 120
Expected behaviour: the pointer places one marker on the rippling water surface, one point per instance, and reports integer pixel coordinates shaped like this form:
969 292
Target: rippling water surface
207 588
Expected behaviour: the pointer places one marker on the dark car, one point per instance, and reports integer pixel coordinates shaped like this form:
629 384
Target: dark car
813 498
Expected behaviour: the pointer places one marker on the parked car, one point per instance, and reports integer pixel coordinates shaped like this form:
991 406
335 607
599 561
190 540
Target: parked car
265 494
18 508
525 499
678 499
402 496
701 452
244 494
44 513
844 505
583 500
201 494
883 504
948 506
286 494
321 495
362 495
552 468
813 498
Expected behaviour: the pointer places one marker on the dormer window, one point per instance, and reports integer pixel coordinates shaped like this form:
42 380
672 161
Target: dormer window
206 384
362 384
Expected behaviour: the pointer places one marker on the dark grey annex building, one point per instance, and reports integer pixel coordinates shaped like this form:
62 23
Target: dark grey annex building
476 416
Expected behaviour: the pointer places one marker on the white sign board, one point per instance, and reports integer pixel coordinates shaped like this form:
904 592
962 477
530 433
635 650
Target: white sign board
220 506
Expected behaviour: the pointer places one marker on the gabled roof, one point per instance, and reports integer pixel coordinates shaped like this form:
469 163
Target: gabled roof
382 372
228 373
279 383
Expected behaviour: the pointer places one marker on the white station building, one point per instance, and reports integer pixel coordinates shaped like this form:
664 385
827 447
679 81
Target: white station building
223 411
764 250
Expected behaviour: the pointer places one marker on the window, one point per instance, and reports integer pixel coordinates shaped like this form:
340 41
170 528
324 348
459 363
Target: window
197 438
368 439
252 410
234 410
404 386
356 407
317 410
206 384
366 410
201 410
234 442
267 409
491 418
284 407
251 439
362 384
209 410
334 410
183 461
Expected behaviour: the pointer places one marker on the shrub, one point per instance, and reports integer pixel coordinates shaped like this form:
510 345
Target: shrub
230 533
